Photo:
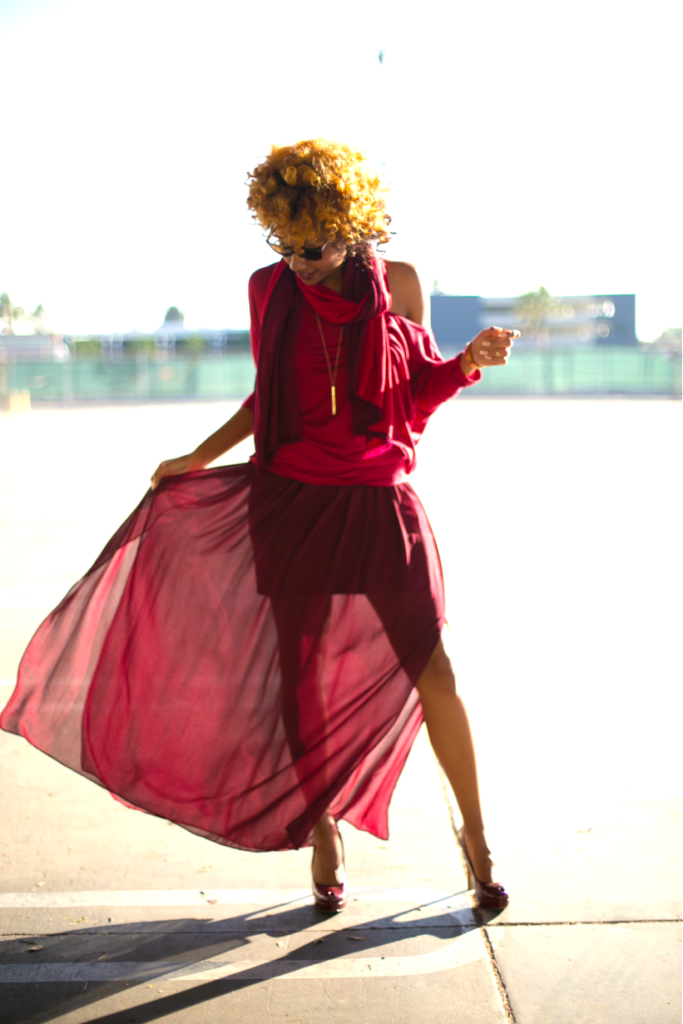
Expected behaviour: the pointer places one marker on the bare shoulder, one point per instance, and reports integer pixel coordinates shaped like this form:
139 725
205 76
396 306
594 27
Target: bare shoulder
406 291
402 275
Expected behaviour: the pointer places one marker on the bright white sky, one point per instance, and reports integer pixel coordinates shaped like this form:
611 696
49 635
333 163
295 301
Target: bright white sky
527 144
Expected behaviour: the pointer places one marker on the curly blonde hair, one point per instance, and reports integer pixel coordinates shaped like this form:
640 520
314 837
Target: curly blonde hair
318 187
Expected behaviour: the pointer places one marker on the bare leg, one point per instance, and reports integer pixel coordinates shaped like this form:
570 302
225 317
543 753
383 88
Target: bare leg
451 738
328 852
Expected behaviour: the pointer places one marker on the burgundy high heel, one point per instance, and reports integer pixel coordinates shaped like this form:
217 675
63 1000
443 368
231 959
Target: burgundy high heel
331 898
489 895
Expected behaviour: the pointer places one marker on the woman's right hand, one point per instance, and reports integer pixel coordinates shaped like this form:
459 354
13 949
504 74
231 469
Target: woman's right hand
171 467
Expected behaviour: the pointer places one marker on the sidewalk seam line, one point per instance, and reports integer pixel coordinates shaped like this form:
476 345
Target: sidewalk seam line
571 924
500 985
498 981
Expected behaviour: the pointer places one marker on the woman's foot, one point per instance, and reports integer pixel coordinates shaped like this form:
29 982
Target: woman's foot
481 873
328 853
479 855
329 877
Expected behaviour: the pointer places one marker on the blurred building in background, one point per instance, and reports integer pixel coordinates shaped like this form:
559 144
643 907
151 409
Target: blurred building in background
575 320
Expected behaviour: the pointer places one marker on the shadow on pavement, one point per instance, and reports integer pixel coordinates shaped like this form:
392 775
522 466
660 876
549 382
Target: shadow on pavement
172 940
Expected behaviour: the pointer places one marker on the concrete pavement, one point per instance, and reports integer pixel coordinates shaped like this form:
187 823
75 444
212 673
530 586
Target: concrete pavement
203 933
110 915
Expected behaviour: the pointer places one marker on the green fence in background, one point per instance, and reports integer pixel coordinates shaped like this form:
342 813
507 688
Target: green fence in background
140 378
595 371
581 372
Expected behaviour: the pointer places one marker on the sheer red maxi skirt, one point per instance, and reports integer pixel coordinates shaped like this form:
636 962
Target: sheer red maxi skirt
242 655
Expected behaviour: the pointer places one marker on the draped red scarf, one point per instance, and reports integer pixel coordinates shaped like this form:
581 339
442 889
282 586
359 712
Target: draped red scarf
361 308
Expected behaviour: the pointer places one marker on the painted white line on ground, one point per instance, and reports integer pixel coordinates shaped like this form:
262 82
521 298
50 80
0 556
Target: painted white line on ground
150 898
202 897
467 948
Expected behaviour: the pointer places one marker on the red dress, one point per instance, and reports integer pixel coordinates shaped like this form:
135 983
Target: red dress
243 652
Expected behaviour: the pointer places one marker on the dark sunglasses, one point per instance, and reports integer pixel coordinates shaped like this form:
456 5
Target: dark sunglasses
310 254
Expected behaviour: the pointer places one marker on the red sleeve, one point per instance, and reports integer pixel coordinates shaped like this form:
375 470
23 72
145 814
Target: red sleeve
437 383
433 380
258 287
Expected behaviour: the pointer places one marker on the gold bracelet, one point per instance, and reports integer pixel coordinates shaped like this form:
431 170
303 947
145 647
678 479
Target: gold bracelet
468 353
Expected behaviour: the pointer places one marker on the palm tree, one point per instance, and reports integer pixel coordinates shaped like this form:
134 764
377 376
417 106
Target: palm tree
533 309
37 318
9 313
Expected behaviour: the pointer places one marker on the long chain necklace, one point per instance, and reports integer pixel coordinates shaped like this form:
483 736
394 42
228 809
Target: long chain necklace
333 379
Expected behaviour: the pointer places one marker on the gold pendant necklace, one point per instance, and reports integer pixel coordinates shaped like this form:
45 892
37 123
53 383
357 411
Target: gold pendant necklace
333 380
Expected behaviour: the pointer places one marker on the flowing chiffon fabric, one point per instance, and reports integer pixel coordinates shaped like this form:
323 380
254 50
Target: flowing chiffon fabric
243 655
244 652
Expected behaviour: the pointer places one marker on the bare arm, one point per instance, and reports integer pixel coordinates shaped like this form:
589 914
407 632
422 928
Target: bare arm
238 428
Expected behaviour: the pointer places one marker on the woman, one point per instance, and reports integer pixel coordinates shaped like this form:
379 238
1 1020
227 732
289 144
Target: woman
253 652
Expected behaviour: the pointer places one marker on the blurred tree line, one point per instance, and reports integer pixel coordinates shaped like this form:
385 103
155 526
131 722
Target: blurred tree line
533 310
669 340
149 345
11 315
171 339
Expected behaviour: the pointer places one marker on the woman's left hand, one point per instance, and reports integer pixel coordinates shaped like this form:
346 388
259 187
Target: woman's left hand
492 346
